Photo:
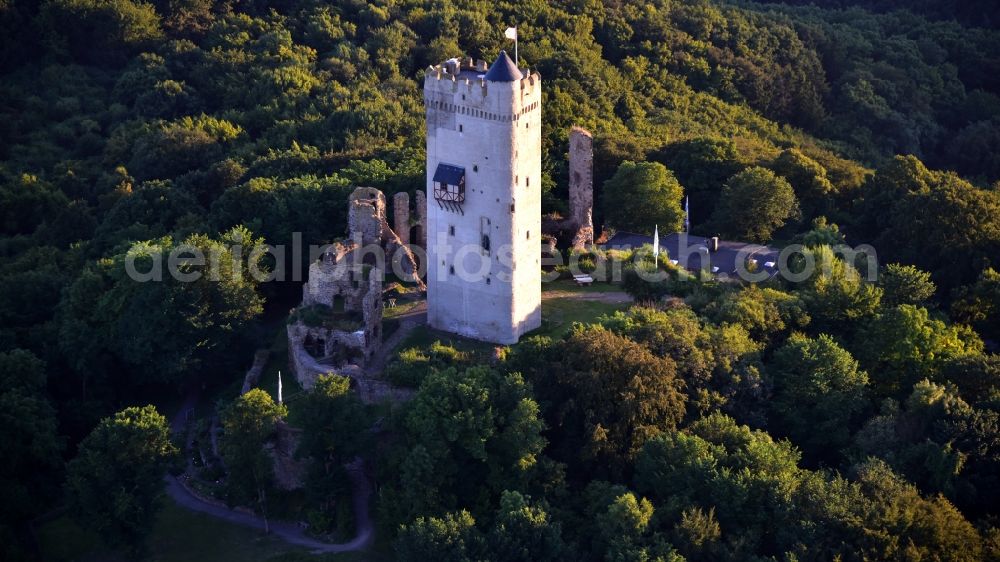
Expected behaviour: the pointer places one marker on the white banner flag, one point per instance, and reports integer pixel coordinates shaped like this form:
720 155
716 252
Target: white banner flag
511 33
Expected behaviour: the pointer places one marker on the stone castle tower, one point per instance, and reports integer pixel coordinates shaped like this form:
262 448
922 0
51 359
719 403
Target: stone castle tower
484 199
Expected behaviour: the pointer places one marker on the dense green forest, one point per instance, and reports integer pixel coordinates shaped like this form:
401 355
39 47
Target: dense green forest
829 419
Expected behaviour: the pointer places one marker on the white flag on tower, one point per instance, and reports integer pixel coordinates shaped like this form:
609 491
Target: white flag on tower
511 33
656 244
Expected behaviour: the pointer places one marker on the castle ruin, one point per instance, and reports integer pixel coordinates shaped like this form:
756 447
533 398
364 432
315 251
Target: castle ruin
578 228
338 326
581 187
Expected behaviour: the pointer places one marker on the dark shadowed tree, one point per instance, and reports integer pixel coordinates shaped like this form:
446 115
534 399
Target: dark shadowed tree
808 178
247 424
469 435
97 31
905 284
115 483
702 165
819 394
605 395
979 304
335 429
523 530
28 436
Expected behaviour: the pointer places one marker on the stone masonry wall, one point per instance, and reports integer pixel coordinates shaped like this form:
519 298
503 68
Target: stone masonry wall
421 222
581 185
401 216
367 225
366 215
334 275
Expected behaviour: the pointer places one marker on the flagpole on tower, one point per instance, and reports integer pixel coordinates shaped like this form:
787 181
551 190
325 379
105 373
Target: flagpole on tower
511 33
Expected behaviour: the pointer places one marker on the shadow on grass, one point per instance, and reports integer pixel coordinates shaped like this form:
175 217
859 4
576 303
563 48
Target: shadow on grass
180 535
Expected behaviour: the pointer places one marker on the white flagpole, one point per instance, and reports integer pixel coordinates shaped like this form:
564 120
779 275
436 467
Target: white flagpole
687 215
656 245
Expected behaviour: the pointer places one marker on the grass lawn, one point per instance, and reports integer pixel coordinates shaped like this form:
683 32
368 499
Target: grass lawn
401 308
183 536
558 315
569 285
422 337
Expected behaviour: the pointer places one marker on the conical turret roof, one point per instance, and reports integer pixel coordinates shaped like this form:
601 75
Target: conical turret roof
503 70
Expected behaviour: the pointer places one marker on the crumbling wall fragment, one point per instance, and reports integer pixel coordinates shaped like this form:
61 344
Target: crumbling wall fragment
349 272
289 471
581 185
366 215
421 222
401 216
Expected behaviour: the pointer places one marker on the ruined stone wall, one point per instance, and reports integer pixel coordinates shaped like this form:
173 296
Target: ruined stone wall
336 275
421 222
584 236
364 342
401 216
581 185
289 472
252 377
372 309
340 272
306 367
367 226
366 215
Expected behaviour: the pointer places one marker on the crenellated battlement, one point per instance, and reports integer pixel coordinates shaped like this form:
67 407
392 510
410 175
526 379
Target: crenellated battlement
459 86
